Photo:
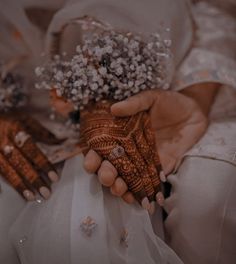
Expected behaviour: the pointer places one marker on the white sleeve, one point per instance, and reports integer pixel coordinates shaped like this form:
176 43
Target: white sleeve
213 56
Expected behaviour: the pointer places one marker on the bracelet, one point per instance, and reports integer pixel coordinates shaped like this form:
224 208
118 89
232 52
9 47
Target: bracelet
12 94
108 65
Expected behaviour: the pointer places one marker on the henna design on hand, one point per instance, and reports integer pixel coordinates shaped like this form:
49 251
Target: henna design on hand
22 164
106 134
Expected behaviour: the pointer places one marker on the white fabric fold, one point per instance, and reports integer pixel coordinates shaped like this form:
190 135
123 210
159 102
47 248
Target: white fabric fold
52 231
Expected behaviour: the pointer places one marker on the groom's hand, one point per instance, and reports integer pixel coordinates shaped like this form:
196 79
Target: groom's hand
178 122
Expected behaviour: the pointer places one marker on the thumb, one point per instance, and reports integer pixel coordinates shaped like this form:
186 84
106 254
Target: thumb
135 104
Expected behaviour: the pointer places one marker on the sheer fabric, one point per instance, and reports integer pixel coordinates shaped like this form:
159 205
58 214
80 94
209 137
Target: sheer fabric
51 231
201 211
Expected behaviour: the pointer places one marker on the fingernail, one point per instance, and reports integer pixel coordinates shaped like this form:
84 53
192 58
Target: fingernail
160 198
29 195
162 176
145 203
45 192
53 176
152 208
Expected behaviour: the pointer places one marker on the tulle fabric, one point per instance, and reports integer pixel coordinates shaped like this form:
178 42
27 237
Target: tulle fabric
52 232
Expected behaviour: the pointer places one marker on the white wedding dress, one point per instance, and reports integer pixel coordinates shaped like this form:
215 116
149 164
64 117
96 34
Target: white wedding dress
53 231
82 222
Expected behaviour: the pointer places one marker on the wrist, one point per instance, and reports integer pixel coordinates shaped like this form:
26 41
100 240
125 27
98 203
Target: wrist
203 94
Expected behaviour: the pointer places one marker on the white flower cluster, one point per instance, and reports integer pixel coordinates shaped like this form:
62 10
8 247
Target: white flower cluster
109 65
11 92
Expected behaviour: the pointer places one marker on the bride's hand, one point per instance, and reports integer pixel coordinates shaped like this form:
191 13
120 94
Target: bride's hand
22 164
178 123
128 143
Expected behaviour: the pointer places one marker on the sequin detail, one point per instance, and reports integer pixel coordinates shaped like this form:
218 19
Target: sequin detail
23 240
88 226
124 238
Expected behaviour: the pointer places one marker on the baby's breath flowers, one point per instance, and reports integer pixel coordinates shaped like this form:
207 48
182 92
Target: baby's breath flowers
11 90
108 65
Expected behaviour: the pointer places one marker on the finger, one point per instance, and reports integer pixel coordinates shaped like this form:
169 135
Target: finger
128 198
39 160
129 172
124 167
14 179
119 187
141 166
25 169
147 154
107 173
133 105
150 139
39 132
92 161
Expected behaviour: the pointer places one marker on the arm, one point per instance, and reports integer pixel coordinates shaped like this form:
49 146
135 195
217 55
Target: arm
203 94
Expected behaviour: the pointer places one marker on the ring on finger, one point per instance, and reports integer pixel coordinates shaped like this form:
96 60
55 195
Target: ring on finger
116 153
20 138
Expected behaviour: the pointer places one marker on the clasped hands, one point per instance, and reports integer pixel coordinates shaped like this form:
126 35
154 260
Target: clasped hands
120 141
172 120
128 144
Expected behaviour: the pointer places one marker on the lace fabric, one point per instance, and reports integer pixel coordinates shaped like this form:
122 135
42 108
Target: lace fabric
213 57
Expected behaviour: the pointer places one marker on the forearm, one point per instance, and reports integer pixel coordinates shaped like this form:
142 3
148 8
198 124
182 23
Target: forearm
203 93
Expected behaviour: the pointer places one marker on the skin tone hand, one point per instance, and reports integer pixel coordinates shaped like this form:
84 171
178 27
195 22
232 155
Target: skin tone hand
22 163
139 165
178 119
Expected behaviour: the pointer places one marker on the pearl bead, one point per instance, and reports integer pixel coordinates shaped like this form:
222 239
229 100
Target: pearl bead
23 240
88 226
39 201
